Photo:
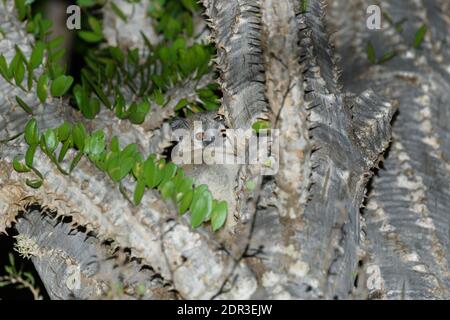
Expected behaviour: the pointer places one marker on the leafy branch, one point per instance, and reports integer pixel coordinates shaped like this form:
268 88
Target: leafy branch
151 173
19 279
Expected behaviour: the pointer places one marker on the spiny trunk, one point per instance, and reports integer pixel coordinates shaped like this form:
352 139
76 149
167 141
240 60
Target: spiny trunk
300 234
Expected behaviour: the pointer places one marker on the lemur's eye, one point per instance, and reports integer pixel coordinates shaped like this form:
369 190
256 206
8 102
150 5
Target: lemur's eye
199 136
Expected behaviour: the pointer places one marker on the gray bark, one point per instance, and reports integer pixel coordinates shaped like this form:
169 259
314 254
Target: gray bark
406 219
300 234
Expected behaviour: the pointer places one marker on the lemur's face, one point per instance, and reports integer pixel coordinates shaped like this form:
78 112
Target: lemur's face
203 128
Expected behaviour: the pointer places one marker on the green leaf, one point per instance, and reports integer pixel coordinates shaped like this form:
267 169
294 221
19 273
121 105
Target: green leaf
57 55
181 104
55 70
66 145
200 190
219 215
19 71
4 70
152 173
138 111
81 97
90 36
37 55
139 191
118 12
50 140
61 85
113 168
250 185
21 9
119 106
180 175
30 79
19 166
86 3
138 168
64 131
31 132
115 145
117 54
35 184
184 185
190 4
387 56
167 189
168 172
419 36
156 6
42 88
210 199
55 43
119 168
44 26
94 108
261 125
76 160
200 208
24 105
79 136
9 270
303 6
97 143
95 25
129 151
185 202
158 97
371 55
101 95
29 155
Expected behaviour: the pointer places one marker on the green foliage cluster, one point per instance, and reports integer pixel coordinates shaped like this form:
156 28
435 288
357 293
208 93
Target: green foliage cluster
112 74
110 71
52 80
151 173
174 17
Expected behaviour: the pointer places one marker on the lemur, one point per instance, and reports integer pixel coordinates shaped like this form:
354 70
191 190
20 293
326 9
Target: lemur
220 178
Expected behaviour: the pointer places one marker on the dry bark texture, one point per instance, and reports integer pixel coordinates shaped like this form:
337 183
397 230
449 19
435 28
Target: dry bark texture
300 234
406 219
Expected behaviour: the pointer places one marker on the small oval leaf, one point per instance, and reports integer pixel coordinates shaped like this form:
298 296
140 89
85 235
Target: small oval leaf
29 155
19 166
61 85
31 132
219 215
42 88
37 55
50 140
35 184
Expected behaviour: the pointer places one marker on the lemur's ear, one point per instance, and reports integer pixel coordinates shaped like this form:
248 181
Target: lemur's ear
179 123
